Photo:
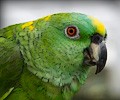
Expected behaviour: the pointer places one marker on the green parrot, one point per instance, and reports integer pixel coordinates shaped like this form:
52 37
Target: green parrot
50 58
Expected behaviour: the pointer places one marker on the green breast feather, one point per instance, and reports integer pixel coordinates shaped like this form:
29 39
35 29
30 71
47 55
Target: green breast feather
43 59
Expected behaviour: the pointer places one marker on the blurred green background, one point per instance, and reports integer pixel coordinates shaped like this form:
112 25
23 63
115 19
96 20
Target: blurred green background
105 85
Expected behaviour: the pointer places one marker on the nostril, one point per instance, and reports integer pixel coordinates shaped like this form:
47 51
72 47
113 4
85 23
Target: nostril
97 39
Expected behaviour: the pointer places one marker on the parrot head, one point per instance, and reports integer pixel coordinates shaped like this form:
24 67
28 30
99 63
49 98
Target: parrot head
63 46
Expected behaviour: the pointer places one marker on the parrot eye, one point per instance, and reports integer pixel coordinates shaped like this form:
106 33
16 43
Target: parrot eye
72 32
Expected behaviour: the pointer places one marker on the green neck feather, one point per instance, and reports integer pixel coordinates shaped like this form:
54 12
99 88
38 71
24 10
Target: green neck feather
36 89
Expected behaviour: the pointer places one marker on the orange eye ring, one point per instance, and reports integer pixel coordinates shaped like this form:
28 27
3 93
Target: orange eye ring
71 31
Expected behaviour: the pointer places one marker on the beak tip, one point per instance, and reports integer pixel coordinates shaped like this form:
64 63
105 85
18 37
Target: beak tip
100 66
97 72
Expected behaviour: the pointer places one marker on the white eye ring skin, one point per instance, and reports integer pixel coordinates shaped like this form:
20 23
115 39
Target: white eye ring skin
72 32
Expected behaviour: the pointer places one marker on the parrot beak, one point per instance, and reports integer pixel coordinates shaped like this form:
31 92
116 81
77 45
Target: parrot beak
96 54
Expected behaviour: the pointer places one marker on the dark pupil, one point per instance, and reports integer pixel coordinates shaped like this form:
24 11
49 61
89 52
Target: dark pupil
71 31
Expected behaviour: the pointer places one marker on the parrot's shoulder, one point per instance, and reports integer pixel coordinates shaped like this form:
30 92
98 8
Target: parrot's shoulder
11 64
